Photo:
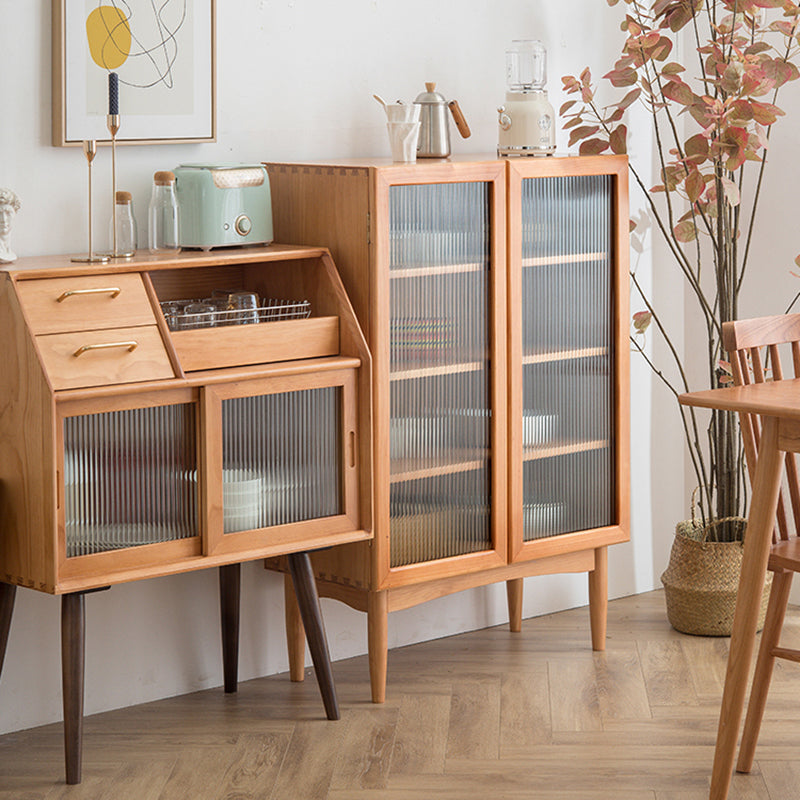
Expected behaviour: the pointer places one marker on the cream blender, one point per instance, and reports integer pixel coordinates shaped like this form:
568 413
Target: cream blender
527 120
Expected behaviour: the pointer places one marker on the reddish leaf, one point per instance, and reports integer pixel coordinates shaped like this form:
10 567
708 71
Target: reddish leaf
586 76
679 92
673 68
766 113
587 95
632 226
694 186
566 107
618 140
685 231
741 110
696 148
629 99
582 133
622 77
593 147
642 320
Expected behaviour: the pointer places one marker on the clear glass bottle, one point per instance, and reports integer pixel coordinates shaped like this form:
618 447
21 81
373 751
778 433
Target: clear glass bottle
125 244
162 232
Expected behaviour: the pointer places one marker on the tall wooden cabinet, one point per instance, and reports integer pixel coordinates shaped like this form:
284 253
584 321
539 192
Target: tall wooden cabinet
493 294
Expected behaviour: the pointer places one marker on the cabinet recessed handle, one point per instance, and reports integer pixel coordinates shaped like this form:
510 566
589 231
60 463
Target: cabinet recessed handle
112 290
105 346
352 449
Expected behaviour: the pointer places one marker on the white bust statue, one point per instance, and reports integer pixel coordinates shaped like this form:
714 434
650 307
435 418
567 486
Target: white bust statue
9 205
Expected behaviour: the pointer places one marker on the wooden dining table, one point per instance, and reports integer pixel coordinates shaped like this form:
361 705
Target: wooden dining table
778 405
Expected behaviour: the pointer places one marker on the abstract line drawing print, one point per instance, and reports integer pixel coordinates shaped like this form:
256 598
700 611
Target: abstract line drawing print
148 42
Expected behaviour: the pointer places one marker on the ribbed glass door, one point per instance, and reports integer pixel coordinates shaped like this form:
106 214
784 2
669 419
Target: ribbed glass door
567 355
281 458
129 478
440 404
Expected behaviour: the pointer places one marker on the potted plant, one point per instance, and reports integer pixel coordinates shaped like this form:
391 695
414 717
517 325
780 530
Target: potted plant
712 117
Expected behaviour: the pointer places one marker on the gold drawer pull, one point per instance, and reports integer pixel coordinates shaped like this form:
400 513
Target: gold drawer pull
113 290
81 350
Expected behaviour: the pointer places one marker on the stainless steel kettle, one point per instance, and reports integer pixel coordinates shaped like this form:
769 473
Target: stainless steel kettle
434 130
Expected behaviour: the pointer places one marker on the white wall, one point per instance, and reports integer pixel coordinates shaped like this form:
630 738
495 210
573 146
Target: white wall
295 81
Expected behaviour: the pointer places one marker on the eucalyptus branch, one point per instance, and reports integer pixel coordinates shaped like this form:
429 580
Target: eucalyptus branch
695 453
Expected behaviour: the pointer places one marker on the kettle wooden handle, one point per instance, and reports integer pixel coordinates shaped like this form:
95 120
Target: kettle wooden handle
458 116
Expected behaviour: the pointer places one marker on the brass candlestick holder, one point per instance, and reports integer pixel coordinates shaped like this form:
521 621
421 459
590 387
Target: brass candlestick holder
90 151
112 123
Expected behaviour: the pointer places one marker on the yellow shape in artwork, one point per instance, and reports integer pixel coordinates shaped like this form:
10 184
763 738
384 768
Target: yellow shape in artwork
109 37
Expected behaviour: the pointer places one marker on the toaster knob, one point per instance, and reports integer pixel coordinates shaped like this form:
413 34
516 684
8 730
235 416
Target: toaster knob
243 225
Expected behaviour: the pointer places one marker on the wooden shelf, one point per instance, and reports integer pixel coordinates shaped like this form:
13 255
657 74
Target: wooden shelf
397 273
562 449
568 258
430 372
564 355
403 470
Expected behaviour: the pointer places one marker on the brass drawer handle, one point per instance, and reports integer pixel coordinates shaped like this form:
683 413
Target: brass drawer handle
113 290
81 350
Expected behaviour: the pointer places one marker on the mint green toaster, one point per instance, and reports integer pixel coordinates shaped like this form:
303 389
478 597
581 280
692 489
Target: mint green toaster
223 205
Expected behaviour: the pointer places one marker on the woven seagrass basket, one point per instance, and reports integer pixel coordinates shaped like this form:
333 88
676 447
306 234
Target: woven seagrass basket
702 579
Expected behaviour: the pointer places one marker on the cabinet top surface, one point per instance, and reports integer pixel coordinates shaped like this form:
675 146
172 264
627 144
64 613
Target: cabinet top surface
61 265
455 159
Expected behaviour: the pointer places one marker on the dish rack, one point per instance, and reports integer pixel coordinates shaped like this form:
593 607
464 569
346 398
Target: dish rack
269 310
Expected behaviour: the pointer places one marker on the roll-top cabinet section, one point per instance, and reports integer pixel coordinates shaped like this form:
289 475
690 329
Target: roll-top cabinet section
250 437
568 429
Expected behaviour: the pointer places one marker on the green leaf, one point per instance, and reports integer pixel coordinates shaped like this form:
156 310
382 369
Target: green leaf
685 231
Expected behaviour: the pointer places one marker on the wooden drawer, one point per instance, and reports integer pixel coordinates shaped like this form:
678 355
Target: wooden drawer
240 345
92 302
102 358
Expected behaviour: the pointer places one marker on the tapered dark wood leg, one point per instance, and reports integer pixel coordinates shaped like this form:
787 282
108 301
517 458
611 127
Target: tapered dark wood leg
73 629
230 581
305 590
7 594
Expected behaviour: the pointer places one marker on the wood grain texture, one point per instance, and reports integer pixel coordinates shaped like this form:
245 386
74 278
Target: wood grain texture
270 741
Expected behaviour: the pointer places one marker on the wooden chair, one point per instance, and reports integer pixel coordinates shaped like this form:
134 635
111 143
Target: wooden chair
754 348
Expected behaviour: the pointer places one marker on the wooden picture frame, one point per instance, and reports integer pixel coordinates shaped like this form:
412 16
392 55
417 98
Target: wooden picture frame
165 60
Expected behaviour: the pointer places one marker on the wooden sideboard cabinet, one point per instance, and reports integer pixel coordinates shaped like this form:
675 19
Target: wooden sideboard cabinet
494 297
135 443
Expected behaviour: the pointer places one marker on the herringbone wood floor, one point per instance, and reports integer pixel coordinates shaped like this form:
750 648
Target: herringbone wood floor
481 715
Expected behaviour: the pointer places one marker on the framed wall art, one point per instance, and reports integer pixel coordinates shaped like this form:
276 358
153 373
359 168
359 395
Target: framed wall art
164 56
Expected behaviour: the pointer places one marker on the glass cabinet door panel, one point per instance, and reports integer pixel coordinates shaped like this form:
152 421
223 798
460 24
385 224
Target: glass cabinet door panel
281 459
440 406
129 478
567 354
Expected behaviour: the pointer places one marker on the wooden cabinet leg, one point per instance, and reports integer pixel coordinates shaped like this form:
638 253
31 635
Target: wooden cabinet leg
73 625
305 590
598 598
8 592
230 582
514 593
378 643
295 633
